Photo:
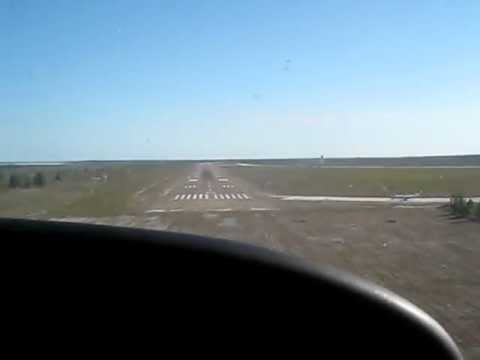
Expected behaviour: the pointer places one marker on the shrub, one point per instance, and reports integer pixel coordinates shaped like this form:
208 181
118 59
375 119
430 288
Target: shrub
458 206
13 181
39 179
470 206
58 176
477 211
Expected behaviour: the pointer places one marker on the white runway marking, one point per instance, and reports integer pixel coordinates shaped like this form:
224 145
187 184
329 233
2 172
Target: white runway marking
207 196
162 211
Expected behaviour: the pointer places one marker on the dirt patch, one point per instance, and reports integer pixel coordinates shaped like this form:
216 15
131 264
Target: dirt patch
422 256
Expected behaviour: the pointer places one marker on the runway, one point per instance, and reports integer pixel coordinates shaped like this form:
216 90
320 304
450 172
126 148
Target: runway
209 187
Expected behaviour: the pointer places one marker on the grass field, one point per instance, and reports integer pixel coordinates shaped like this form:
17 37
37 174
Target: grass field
362 181
97 190
87 190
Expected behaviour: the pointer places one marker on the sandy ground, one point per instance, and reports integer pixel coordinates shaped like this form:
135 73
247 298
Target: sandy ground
416 251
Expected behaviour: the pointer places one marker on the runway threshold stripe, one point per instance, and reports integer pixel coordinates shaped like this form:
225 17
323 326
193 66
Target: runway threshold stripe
177 197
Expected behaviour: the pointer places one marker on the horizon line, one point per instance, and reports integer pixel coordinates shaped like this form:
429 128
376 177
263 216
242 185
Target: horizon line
240 158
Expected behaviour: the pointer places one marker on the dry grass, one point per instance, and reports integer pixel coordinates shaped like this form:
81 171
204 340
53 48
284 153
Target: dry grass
84 192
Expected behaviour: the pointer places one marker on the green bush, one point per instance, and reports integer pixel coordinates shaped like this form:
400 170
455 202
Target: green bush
13 181
58 176
470 206
458 206
39 179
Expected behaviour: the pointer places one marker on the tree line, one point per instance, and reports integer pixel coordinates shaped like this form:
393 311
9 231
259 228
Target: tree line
26 181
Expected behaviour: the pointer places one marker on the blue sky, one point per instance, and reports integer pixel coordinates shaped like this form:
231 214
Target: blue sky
214 79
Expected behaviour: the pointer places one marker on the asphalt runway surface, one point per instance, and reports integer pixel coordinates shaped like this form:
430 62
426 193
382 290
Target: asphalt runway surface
210 187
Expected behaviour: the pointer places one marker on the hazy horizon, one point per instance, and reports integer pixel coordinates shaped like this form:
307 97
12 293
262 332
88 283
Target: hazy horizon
239 158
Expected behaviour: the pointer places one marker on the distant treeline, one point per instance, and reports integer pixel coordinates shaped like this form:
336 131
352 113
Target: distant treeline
459 160
456 160
26 180
463 160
